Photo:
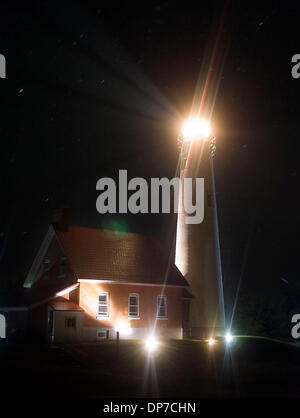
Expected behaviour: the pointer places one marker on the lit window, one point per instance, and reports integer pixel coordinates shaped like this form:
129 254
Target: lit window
161 306
70 322
63 267
103 310
133 305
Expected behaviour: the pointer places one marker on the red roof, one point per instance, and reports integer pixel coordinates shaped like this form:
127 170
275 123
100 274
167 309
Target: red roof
125 257
64 305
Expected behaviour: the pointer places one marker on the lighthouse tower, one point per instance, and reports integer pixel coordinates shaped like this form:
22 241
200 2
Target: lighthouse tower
197 245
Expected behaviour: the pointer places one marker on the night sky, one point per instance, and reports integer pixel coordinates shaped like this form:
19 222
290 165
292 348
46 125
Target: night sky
93 87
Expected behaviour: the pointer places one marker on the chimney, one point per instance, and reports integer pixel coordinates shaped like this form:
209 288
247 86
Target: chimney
60 219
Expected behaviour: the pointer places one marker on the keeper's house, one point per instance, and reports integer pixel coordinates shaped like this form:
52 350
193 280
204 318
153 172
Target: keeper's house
85 284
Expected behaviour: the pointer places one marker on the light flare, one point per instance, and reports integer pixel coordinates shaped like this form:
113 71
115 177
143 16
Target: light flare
151 344
122 327
211 341
196 129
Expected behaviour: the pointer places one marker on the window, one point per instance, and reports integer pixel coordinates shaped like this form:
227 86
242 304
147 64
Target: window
133 305
103 310
63 267
46 267
70 322
102 334
161 306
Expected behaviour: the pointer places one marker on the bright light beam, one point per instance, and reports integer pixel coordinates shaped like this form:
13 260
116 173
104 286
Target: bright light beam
195 129
122 327
151 344
211 341
228 337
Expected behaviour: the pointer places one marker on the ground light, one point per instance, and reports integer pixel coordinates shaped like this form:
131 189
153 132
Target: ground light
211 341
122 327
195 129
151 344
228 337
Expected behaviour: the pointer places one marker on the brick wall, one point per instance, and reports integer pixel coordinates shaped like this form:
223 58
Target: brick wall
118 297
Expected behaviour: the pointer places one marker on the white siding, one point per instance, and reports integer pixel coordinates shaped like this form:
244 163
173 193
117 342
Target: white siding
61 332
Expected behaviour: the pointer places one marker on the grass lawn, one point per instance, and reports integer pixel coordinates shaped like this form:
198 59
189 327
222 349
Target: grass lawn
251 367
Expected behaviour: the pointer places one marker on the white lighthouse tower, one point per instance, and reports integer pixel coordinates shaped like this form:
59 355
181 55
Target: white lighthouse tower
197 245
